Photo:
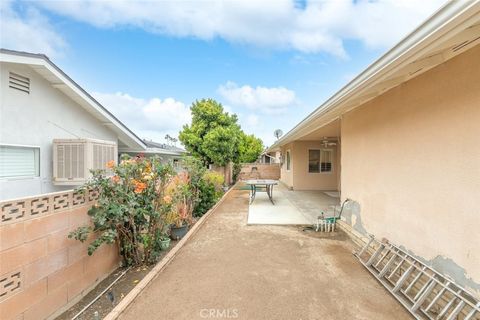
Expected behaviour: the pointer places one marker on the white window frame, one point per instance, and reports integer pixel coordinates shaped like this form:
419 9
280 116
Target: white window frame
37 160
320 162
288 160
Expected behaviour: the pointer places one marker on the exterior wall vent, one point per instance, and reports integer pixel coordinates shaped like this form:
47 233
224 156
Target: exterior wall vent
18 82
74 158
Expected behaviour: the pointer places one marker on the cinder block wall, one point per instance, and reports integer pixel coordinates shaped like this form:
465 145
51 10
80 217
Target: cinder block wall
265 171
42 272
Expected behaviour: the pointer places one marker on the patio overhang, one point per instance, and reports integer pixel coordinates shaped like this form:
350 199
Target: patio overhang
450 31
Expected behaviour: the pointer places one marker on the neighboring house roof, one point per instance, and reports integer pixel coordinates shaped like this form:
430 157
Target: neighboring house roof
451 30
266 151
152 144
60 80
158 148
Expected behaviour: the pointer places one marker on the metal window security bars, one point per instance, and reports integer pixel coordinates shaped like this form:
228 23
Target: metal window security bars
424 292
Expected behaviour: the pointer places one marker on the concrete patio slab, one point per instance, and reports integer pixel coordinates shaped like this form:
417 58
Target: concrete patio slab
291 207
261 211
230 270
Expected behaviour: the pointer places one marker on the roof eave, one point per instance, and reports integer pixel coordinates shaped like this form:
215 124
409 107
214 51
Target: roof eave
440 23
42 61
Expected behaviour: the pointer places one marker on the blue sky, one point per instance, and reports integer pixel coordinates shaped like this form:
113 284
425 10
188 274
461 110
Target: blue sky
271 62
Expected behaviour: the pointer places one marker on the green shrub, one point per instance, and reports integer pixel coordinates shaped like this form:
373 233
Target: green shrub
215 179
140 199
207 199
205 185
210 191
130 210
237 168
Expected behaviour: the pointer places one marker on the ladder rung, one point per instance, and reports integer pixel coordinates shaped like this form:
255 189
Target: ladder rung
424 295
397 267
456 311
375 255
388 265
420 273
423 288
402 279
383 257
365 247
445 309
439 294
472 313
403 270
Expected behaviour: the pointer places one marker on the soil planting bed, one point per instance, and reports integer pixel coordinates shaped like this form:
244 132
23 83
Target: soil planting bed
116 293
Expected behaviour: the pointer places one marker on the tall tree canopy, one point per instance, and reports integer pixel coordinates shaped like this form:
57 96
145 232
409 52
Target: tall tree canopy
214 136
250 148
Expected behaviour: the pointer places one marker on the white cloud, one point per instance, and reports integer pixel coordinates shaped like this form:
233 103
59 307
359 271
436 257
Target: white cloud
227 108
273 100
252 120
252 123
319 26
28 31
149 118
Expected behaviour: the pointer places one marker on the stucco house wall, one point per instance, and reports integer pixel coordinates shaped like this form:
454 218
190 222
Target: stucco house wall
286 176
35 119
305 180
411 161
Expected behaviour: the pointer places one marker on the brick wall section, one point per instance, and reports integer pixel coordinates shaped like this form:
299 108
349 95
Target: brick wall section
42 272
265 171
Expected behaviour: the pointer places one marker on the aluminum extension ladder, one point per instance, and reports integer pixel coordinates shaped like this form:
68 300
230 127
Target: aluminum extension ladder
424 292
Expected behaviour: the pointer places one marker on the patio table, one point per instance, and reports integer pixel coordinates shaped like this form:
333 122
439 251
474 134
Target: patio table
256 183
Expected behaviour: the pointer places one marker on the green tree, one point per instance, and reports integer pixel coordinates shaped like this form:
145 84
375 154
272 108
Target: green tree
214 135
250 148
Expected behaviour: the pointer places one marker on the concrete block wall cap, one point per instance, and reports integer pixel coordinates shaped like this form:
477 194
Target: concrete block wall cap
130 297
42 195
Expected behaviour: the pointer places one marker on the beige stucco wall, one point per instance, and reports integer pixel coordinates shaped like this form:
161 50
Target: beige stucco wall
286 176
411 159
313 181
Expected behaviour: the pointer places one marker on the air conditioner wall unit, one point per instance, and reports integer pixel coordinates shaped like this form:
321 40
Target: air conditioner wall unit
74 158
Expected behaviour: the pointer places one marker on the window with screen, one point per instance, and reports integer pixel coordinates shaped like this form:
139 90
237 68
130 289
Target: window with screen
326 160
320 161
313 161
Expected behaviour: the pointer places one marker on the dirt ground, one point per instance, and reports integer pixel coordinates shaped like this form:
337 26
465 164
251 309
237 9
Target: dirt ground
229 270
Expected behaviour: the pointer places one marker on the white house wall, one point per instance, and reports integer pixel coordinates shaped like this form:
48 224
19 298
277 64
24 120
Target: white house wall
36 119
